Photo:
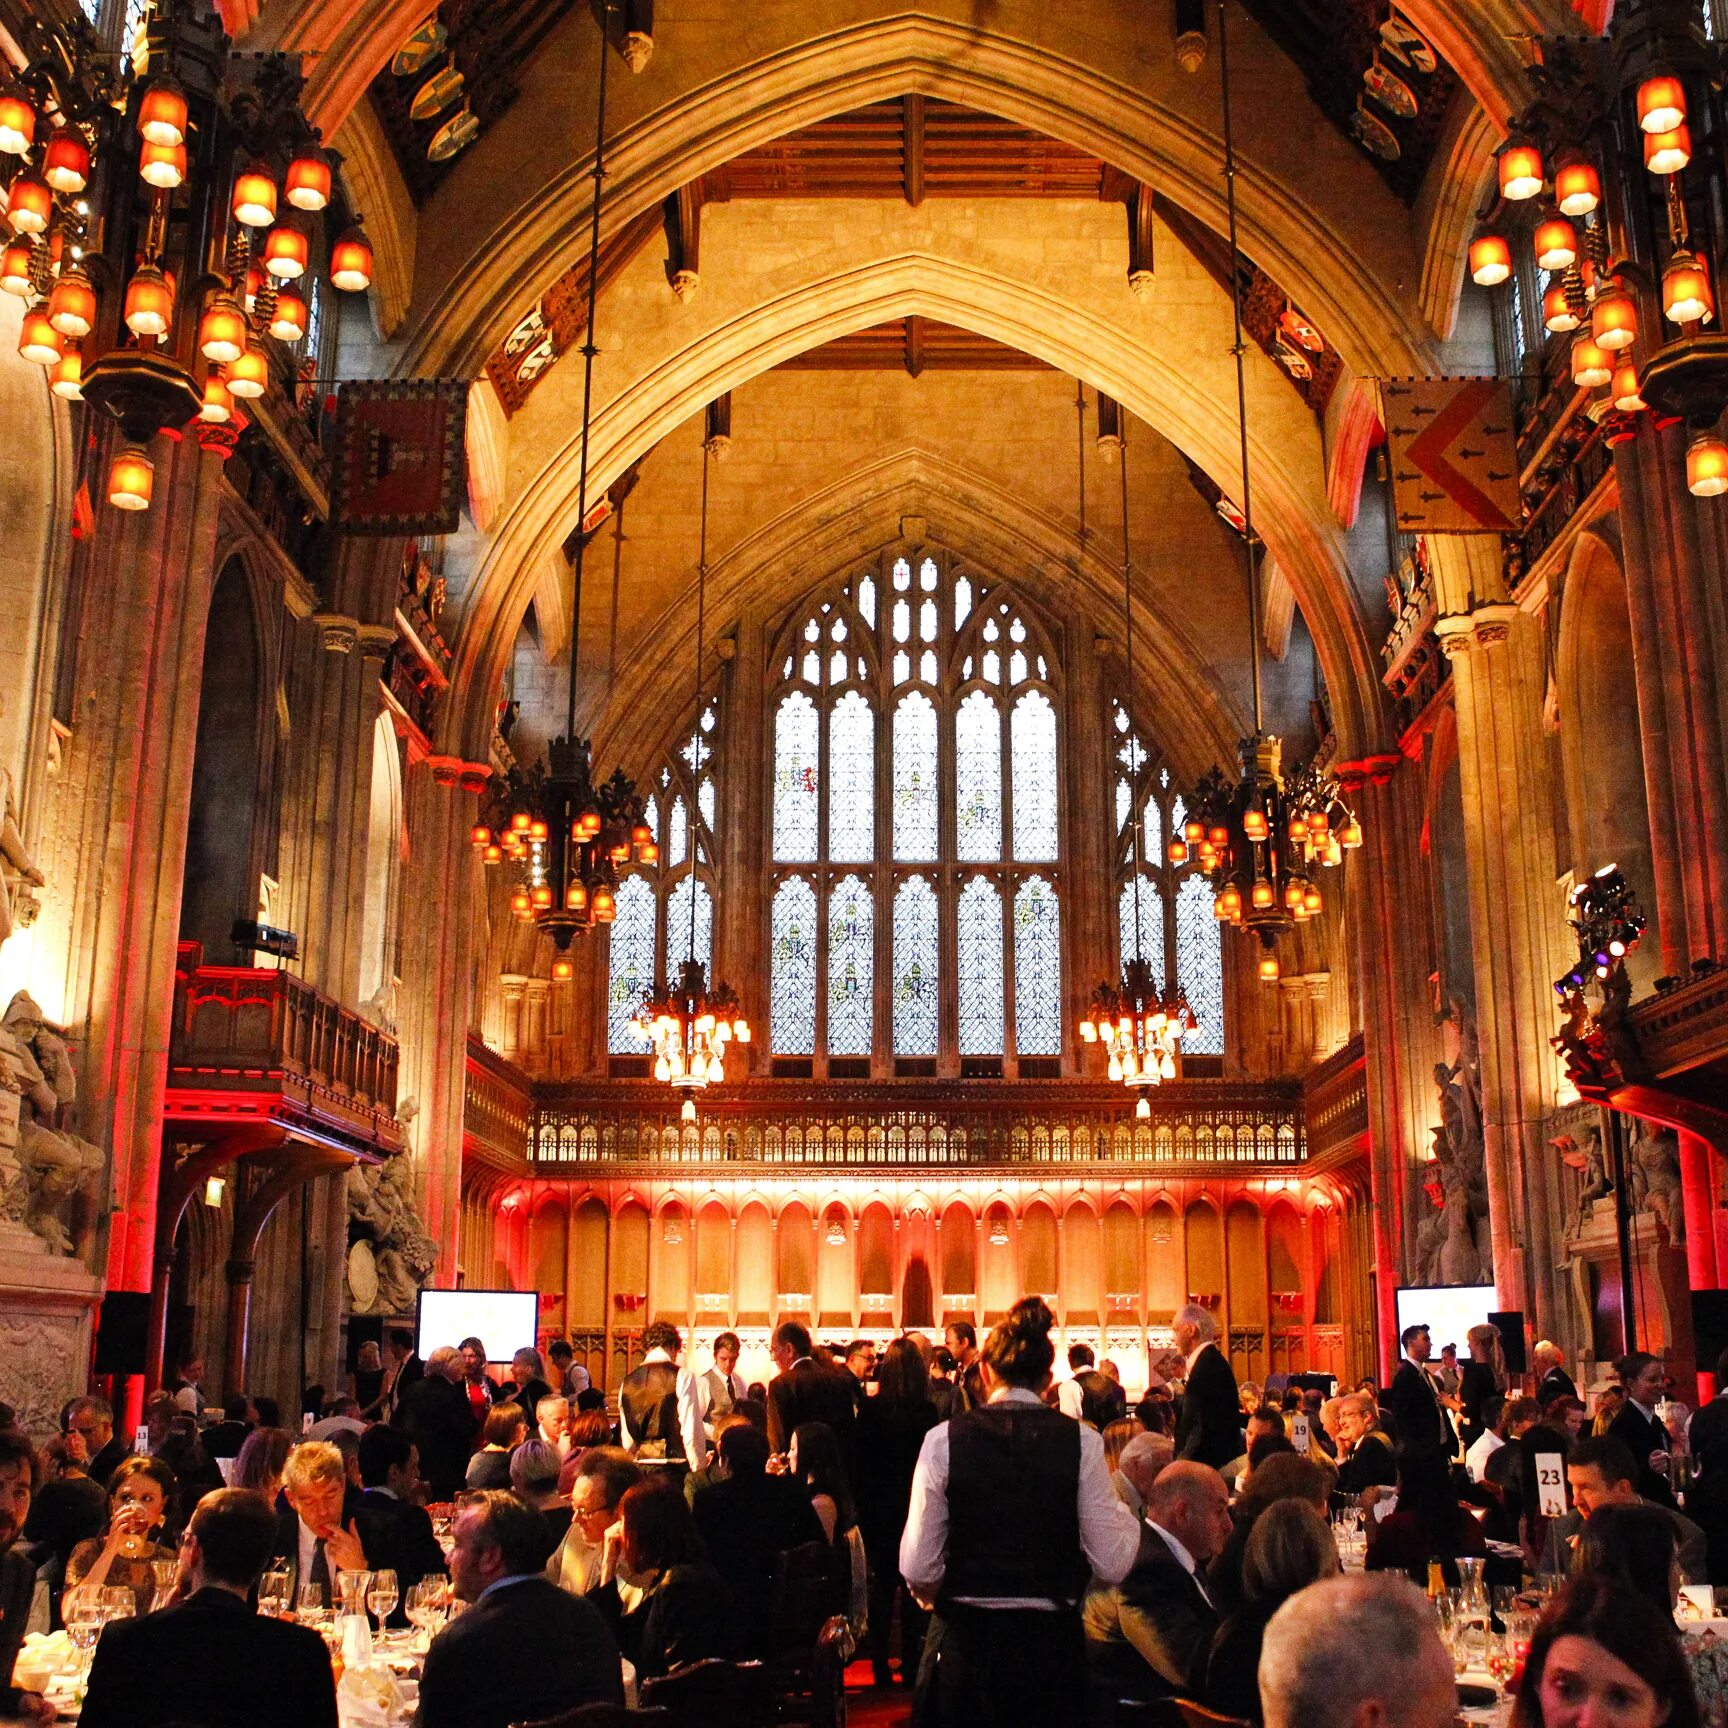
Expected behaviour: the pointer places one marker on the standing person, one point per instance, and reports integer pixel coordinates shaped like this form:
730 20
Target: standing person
568 1375
1550 1364
722 1385
439 1419
861 1365
1638 1425
188 1393
1011 1506
1427 1524
481 1391
402 1367
805 1390
209 1661
368 1380
659 1408
891 1430
1707 1499
1483 1377
527 1381
961 1338
1209 1428
1419 1414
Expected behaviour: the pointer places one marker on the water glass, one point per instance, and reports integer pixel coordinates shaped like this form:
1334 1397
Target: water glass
311 1606
118 1602
381 1595
164 1575
275 1592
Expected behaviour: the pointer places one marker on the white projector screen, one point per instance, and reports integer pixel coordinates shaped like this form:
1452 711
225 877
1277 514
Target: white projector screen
1448 1311
505 1321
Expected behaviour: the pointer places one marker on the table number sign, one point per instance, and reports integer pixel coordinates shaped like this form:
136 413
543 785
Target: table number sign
1550 1485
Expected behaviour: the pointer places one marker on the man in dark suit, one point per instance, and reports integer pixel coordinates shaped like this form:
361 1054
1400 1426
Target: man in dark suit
394 1529
1147 1638
1419 1414
1209 1424
489 1667
748 1519
1707 1499
229 1435
806 1391
406 1367
210 1661
318 1535
1600 1472
437 1417
1551 1365
93 1420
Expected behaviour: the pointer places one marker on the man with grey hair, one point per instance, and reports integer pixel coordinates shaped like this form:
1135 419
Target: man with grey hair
1360 1651
1209 1425
1143 1458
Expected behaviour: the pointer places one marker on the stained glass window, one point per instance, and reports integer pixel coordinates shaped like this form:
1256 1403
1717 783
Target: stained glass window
1033 743
851 950
979 950
677 834
851 780
915 801
705 803
915 969
978 779
1151 907
678 927
1037 969
1200 966
796 769
630 965
792 969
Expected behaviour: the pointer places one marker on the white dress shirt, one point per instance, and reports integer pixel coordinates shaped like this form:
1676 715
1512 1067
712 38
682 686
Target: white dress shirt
1109 1532
1482 1448
690 1413
1069 1399
308 1547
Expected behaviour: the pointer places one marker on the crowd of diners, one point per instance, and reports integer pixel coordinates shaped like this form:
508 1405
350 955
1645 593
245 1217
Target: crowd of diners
1004 1537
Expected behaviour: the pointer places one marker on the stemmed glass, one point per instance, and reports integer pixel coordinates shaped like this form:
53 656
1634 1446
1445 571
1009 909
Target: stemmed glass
118 1602
275 1592
381 1596
85 1619
164 1575
310 1605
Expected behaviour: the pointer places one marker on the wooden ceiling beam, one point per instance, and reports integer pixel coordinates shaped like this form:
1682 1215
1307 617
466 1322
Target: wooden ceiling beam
912 147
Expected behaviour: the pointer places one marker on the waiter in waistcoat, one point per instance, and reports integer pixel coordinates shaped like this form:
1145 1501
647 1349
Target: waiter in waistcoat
660 1407
1011 1509
721 1386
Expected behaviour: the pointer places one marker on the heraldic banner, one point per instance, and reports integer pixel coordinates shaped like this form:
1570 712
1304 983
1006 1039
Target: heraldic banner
1454 455
400 462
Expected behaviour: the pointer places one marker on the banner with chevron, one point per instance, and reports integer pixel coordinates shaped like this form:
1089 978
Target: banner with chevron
1454 455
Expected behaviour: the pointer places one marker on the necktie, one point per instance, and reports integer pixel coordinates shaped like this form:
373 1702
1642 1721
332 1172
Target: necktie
320 1573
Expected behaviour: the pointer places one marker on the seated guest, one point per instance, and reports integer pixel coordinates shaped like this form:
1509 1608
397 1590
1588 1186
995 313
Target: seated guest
66 1510
1147 1637
1263 1420
1260 1448
504 1429
261 1460
1428 1524
746 1521
311 1538
1117 1434
534 1470
1287 1476
1600 1471
1605 1654
588 1428
1291 1548
1143 1458
195 1472
524 1649
1356 1652
678 1610
19 1473
713 1471
138 1499
92 1420
210 1661
229 1435
552 1423
398 1532
602 1478
1364 1453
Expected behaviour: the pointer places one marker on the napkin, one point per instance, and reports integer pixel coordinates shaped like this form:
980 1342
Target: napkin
369 1696
42 1655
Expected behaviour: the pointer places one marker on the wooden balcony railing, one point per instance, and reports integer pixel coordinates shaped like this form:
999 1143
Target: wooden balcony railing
498 1110
974 1125
252 1044
1335 1103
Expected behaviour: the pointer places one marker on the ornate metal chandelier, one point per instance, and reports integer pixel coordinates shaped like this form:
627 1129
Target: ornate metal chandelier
1259 836
1137 1023
566 830
690 1024
153 285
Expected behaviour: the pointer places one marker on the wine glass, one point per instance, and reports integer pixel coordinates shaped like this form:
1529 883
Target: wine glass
118 1602
310 1605
84 1623
164 1575
275 1592
381 1595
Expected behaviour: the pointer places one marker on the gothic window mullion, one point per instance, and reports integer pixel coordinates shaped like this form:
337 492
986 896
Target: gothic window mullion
1167 886
1009 883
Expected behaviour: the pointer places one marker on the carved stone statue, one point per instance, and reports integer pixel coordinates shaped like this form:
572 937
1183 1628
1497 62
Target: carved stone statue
1451 1246
17 868
1653 1179
1592 1160
62 1172
381 1209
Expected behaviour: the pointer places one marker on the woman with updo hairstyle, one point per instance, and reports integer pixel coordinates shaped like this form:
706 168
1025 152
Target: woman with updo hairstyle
1011 1509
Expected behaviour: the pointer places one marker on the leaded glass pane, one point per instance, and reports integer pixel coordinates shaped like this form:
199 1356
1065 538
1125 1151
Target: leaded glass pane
902 667
630 965
1033 742
851 781
1200 965
795 780
851 992
915 975
902 575
1154 841
915 803
837 666
1017 667
1124 803
962 601
927 666
812 667
979 949
705 803
992 667
978 779
678 927
867 600
696 750
1037 969
678 833
1151 904
902 621
927 621
927 575
792 988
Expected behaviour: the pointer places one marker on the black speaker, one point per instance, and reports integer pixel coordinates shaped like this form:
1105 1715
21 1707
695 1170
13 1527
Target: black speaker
1709 1327
1510 1326
122 1325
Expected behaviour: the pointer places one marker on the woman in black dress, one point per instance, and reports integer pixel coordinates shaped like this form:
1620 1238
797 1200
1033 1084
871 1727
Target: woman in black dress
1481 1378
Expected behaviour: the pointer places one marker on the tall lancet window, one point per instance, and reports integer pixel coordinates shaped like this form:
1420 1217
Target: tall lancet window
916 828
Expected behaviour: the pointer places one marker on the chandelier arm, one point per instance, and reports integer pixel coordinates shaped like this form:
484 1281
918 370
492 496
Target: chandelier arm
1241 363
588 352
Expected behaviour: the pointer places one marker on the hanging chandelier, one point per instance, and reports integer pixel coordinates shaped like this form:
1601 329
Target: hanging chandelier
1139 1024
1258 835
564 829
690 1024
155 282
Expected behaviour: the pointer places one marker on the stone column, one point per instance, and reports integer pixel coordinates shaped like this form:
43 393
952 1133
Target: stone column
513 987
740 940
1499 676
1088 884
